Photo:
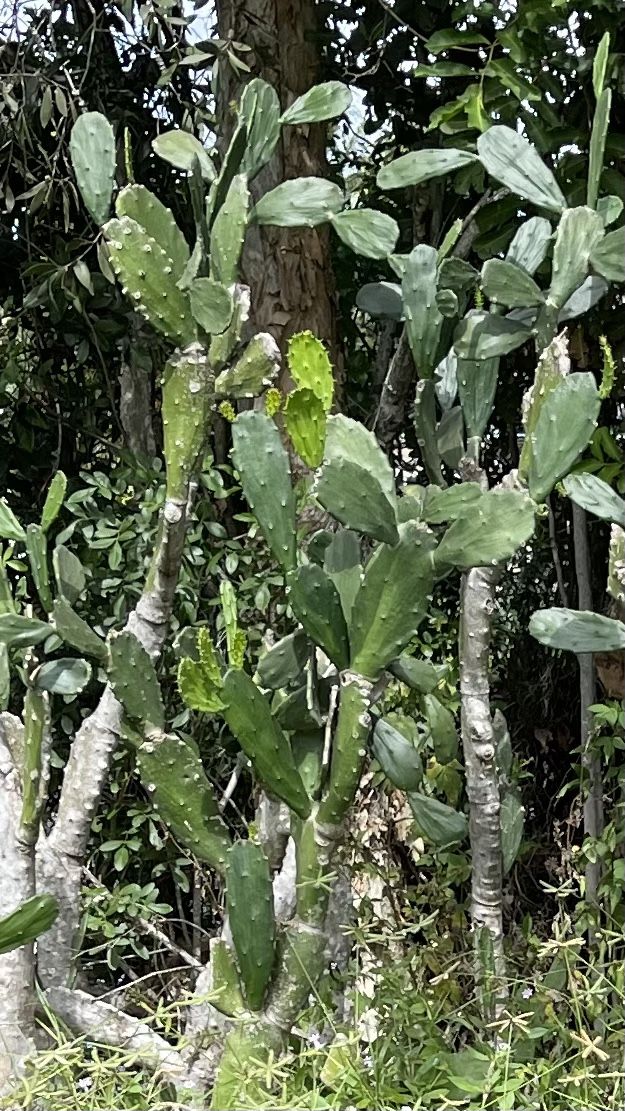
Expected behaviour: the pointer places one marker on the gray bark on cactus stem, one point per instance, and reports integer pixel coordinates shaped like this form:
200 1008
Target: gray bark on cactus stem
288 270
17 872
478 740
61 854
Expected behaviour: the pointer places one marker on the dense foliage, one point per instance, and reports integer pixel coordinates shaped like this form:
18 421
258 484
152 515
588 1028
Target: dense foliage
311 667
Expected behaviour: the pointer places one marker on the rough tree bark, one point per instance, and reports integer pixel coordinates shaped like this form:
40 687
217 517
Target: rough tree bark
288 270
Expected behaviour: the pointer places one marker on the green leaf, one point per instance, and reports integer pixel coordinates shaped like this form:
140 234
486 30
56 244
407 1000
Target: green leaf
450 437
263 466
511 820
529 245
181 149
17 631
511 160
322 102
441 824
300 202
490 532
54 500
482 335
367 232
597 146
599 64
316 603
608 257
10 528
505 71
507 284
443 69
593 494
392 600
421 165
577 630
398 758
65 676
448 39
92 151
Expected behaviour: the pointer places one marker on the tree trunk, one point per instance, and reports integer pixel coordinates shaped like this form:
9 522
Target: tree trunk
288 270
593 803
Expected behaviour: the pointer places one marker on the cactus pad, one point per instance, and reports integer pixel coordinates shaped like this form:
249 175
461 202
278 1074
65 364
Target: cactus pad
211 304
310 367
225 979
305 423
172 774
249 899
356 483
572 408
37 549
392 600
253 372
200 681
489 532
188 395
54 500
145 209
316 603
32 918
73 630
133 680
263 467
92 151
249 718
284 663
577 630
228 232
477 386
146 272
424 321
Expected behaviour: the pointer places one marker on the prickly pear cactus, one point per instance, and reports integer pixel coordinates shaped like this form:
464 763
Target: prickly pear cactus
249 898
188 396
146 273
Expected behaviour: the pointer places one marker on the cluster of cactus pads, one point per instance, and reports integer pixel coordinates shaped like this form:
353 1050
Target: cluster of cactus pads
581 631
306 713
